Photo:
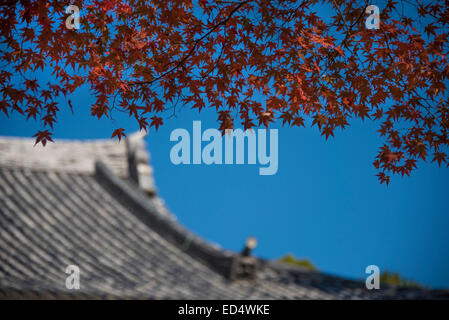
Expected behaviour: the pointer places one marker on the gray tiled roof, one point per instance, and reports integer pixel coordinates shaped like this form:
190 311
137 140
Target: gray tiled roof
126 244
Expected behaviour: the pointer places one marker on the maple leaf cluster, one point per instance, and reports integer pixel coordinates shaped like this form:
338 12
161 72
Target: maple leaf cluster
252 61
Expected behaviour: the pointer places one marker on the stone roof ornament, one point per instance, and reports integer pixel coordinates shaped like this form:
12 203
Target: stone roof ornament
140 170
244 267
250 244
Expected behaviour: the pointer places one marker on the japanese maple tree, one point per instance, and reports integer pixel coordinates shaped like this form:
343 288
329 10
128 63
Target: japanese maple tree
148 57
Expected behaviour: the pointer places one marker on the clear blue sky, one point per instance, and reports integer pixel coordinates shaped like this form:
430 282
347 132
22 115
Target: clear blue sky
325 202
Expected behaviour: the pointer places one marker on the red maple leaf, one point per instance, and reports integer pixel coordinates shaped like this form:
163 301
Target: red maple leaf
119 133
43 137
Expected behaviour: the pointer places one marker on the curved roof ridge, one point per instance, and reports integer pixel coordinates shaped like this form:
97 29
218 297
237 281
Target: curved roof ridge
152 212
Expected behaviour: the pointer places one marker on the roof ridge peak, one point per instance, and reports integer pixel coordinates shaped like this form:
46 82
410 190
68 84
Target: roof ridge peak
127 159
